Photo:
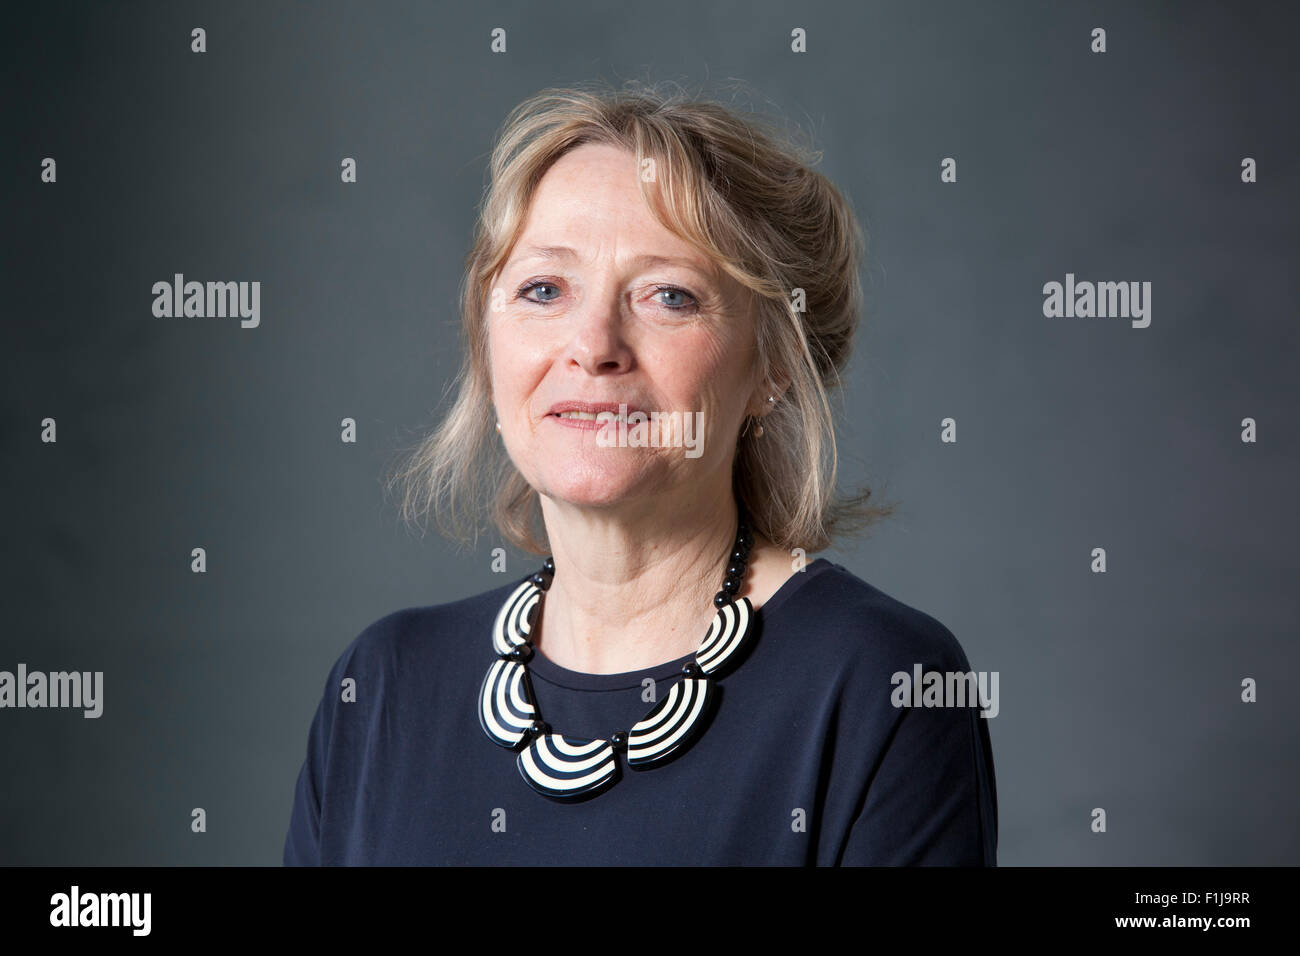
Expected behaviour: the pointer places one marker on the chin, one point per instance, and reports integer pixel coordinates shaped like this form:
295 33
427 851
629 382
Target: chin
592 487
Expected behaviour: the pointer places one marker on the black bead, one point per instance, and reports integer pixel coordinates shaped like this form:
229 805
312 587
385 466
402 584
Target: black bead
692 669
736 570
521 652
731 585
539 729
549 565
721 599
739 555
619 741
540 580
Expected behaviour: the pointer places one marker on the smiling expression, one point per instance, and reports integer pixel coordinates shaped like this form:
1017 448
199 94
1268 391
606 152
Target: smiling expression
599 303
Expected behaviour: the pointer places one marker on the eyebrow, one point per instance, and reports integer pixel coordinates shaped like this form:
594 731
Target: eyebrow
645 259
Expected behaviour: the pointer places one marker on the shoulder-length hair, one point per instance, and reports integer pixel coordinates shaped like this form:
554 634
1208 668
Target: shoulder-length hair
747 198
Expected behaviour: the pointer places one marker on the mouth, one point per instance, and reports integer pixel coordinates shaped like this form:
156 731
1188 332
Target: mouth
592 412
590 416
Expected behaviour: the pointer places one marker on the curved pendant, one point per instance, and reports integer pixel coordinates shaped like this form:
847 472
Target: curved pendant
514 621
726 635
560 766
505 703
671 724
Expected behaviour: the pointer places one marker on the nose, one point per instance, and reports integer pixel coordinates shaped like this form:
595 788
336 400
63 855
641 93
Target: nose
598 345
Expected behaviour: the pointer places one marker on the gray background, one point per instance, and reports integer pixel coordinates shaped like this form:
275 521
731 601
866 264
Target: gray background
1118 690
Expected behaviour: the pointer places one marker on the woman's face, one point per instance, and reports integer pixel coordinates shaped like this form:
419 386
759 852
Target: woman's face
597 302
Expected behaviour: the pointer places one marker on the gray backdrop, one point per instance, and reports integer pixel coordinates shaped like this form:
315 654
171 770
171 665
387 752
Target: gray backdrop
1120 690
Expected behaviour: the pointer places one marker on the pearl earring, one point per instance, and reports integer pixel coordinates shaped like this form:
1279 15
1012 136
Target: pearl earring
758 431
498 426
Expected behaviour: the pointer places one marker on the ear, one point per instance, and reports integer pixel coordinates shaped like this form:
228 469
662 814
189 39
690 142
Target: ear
780 385
775 385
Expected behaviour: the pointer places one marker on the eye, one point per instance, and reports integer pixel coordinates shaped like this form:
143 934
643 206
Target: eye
539 284
679 300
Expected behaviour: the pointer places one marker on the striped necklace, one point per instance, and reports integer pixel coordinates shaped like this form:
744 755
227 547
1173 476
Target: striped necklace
566 767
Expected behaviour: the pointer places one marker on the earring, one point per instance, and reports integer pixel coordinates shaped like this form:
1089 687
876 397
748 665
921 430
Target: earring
498 426
758 431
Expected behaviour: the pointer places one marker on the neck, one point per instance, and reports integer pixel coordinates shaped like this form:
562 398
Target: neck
630 590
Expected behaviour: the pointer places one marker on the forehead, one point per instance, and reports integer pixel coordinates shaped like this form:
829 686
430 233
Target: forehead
590 199
590 170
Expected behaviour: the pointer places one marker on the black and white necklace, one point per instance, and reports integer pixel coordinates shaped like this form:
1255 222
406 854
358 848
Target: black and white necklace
564 767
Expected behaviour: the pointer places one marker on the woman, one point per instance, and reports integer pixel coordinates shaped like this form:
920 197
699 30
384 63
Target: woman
671 685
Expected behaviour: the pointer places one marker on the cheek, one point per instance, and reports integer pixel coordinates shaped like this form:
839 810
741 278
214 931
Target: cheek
513 363
721 372
696 367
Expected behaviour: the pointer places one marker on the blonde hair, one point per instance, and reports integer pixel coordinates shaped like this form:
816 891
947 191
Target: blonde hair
748 199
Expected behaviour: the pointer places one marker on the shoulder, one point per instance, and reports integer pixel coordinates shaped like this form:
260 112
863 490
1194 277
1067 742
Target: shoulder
401 640
920 774
853 620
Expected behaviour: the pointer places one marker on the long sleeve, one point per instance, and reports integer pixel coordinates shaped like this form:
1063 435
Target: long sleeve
932 800
327 781
302 842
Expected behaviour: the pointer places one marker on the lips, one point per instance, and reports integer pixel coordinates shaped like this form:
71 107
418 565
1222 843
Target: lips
589 408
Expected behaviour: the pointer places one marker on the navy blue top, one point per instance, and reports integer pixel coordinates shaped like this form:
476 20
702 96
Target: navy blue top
806 761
